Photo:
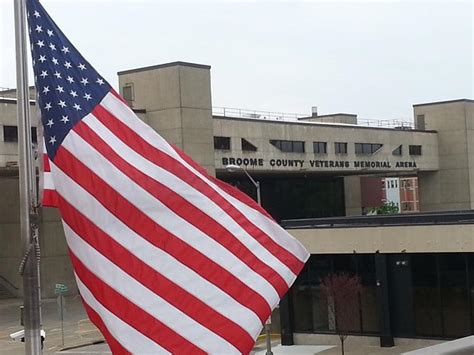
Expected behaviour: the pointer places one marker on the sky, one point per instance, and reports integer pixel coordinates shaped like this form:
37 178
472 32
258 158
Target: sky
375 59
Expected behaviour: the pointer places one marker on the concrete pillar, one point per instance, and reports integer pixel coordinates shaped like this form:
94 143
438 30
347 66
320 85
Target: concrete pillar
352 195
452 186
176 98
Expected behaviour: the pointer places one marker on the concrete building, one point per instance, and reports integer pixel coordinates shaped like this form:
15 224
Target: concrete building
308 165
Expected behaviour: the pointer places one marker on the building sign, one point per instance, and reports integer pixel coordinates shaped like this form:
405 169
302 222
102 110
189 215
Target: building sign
325 164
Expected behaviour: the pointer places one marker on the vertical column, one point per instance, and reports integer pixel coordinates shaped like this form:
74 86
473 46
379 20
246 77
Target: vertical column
352 196
386 337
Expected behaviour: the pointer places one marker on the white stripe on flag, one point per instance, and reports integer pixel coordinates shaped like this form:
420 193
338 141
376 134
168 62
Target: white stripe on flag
165 217
190 194
127 336
123 113
159 260
148 301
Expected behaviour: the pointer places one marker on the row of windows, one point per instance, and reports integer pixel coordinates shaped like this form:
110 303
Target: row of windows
10 134
223 143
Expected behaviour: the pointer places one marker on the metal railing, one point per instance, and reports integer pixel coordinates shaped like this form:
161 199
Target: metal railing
417 218
296 117
255 114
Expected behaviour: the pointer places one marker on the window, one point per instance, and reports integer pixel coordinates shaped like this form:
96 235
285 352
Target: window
340 148
127 93
247 146
320 147
415 150
367 148
288 146
398 150
222 143
10 134
34 137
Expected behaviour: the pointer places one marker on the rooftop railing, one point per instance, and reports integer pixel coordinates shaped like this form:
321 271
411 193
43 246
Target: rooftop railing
297 117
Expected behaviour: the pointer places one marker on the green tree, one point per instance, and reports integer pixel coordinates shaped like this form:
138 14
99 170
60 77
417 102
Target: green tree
386 208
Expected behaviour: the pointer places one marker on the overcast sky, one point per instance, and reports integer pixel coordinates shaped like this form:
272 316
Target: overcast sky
370 58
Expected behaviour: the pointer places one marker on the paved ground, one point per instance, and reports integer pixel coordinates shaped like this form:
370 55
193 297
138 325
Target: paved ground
79 331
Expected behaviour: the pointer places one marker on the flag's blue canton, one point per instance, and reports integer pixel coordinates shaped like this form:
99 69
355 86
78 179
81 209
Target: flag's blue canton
68 87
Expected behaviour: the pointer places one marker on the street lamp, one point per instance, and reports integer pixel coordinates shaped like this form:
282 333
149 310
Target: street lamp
231 168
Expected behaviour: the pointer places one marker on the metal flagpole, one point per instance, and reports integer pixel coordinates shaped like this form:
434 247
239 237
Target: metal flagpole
29 267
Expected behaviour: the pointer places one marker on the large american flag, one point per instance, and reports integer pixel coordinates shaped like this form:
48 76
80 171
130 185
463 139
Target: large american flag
167 258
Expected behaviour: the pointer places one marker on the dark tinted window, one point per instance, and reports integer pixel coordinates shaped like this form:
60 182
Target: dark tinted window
398 150
222 143
247 146
367 148
340 148
415 150
10 133
288 146
320 147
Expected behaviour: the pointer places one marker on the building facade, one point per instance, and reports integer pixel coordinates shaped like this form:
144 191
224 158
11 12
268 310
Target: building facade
308 166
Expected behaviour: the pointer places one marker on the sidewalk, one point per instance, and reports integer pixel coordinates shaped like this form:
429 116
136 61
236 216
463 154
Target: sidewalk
77 327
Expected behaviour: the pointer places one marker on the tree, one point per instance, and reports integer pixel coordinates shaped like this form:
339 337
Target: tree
342 293
386 208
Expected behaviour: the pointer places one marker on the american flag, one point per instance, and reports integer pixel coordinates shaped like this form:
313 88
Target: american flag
167 258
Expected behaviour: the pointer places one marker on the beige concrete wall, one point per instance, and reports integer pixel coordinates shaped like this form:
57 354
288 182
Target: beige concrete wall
412 239
452 187
260 132
177 100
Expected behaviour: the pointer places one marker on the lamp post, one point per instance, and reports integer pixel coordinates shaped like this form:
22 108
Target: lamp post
231 168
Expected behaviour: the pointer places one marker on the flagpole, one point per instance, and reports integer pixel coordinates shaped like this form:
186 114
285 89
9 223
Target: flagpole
29 267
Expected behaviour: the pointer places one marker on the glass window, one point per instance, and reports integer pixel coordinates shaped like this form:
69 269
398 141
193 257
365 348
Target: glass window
320 266
298 147
414 149
426 295
288 146
10 133
222 143
320 147
367 148
34 137
302 302
454 294
340 148
368 297
398 150
247 146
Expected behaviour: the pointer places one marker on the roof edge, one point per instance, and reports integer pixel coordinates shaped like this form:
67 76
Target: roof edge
164 65
443 102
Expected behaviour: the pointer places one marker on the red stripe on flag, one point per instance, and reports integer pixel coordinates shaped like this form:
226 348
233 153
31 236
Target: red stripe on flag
46 165
113 344
50 198
134 141
184 209
153 280
231 190
131 314
158 236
